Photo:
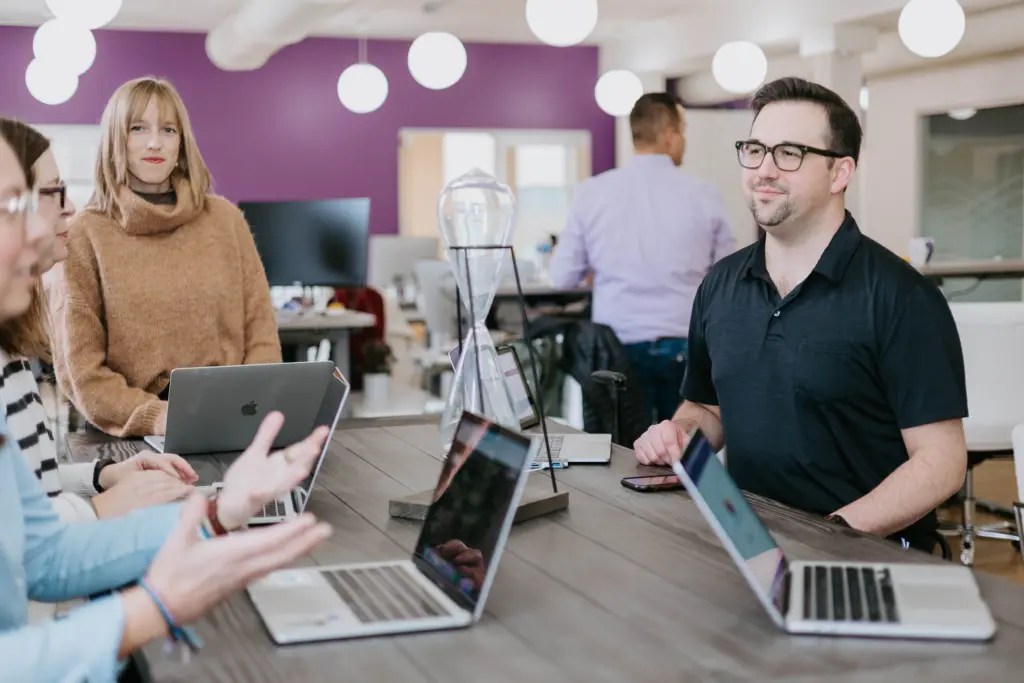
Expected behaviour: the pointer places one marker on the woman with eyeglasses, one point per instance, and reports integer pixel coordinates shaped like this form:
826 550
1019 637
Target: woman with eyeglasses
166 565
82 491
161 273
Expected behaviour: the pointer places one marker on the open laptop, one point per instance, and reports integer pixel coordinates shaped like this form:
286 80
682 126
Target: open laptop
446 581
894 600
566 448
294 503
219 409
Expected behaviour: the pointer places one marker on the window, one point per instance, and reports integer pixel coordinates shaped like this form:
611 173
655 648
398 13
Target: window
464 151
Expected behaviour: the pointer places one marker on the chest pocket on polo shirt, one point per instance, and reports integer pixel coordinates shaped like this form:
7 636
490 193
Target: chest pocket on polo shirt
829 372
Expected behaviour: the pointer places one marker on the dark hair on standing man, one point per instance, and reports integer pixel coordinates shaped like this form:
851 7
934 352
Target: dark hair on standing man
842 120
652 114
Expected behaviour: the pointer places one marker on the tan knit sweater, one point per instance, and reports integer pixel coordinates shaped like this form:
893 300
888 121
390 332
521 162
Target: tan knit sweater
163 288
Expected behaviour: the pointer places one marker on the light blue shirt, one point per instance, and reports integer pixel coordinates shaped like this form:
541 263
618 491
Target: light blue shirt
45 559
650 233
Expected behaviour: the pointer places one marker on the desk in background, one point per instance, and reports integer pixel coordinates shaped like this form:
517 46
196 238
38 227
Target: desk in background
989 269
310 328
623 586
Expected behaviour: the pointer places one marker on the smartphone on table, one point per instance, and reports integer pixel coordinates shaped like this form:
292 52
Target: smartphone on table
654 482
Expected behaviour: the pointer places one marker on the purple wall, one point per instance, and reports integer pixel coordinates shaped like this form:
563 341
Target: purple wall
280 133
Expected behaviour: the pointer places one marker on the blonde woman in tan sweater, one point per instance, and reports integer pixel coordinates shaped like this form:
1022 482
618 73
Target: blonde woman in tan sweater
160 273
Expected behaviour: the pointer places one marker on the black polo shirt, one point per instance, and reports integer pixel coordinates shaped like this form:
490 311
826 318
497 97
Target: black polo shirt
814 388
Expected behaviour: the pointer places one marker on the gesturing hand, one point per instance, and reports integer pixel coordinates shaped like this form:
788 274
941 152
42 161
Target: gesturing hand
256 477
661 444
191 575
172 465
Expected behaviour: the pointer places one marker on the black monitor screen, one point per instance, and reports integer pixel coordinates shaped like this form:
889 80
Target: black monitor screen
473 499
315 243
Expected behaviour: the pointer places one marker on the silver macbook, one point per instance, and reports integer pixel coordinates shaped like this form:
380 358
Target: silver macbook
219 409
565 448
445 583
331 406
897 600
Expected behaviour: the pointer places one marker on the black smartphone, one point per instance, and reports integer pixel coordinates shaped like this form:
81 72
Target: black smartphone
656 482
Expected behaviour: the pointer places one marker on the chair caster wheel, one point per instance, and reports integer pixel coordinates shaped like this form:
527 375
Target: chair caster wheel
1016 545
967 557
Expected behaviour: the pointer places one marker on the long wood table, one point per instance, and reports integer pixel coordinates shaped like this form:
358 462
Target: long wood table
622 586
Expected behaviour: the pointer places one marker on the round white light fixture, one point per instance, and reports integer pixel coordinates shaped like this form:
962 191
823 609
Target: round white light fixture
932 28
561 22
89 14
49 83
961 114
617 91
739 67
863 98
437 60
362 88
67 46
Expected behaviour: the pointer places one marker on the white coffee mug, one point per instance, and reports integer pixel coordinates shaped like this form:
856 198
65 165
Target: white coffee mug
921 249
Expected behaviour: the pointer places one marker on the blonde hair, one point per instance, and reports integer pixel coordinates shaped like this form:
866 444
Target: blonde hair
127 104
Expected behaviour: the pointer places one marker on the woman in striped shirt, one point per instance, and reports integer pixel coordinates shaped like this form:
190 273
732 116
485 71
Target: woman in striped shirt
79 491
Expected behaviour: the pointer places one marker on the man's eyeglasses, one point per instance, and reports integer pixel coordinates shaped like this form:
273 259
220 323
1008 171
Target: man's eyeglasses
787 155
14 210
59 191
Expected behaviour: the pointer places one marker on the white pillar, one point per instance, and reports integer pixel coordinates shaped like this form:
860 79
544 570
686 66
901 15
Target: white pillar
835 57
652 82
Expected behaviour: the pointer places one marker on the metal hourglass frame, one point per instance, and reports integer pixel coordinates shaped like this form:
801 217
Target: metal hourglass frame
463 251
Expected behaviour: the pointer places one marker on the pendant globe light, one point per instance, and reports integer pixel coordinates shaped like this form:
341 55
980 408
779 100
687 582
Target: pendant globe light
437 60
67 46
49 83
617 91
932 28
739 67
362 87
561 22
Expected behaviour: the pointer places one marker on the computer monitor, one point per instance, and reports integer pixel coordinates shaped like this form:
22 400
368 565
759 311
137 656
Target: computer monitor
320 243
395 256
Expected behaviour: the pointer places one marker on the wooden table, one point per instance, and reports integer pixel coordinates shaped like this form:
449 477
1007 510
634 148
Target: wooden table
308 326
987 269
623 586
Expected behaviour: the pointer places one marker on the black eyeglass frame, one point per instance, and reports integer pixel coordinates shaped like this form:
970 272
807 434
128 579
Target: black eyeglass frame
60 190
804 151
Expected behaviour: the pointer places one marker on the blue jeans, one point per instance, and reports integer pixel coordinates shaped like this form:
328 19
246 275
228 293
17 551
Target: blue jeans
659 367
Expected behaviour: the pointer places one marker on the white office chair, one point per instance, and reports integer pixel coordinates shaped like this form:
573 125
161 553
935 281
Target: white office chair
992 337
437 300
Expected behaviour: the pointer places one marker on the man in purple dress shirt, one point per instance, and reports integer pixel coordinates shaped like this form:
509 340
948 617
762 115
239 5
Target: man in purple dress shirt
648 233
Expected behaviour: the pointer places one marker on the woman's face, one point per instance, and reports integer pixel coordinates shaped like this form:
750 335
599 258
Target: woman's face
18 252
52 192
154 142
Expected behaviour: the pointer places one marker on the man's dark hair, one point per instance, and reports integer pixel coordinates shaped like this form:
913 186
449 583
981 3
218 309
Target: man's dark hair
843 123
652 114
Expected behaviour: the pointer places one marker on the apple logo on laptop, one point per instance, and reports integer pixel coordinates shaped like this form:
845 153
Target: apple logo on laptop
249 408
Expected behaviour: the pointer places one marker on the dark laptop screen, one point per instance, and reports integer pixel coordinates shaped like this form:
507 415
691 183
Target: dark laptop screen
473 498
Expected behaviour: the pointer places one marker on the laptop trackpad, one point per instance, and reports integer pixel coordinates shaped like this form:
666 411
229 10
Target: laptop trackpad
299 598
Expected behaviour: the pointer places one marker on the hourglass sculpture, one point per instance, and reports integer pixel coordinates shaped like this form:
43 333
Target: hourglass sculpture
476 215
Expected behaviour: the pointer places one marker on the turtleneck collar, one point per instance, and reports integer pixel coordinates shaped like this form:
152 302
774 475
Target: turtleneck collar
141 217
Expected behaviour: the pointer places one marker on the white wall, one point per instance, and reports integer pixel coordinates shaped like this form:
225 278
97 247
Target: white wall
710 154
75 148
891 201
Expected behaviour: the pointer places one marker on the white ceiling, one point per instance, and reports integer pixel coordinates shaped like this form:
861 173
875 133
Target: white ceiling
646 35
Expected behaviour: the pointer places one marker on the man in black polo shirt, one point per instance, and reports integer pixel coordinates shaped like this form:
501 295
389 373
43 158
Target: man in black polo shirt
830 368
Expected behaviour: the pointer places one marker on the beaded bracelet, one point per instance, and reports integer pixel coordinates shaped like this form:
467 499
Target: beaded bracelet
179 634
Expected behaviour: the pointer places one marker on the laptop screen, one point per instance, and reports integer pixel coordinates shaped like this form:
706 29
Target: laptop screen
327 416
764 563
459 542
515 384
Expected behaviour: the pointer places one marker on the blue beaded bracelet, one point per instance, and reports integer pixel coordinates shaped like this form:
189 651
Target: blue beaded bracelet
178 633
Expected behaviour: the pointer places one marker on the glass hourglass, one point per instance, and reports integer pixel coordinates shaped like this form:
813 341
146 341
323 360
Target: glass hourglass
475 213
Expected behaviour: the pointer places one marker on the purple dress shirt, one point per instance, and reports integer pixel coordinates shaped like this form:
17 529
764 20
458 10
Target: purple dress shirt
649 232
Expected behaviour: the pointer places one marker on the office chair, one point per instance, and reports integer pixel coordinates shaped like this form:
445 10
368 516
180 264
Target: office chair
992 337
438 302
1018 466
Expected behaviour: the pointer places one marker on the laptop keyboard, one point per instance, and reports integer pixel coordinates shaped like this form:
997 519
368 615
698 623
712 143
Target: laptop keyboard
849 594
388 593
274 508
555 441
